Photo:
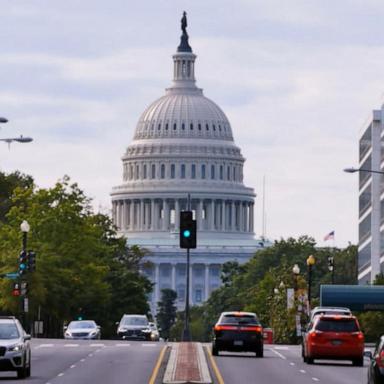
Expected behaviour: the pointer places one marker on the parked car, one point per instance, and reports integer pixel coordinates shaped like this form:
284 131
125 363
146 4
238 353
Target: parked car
155 335
238 332
134 327
15 350
334 337
82 329
376 365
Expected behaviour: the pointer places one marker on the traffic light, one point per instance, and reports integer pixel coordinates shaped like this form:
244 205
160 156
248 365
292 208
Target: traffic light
330 263
31 261
187 230
23 263
16 289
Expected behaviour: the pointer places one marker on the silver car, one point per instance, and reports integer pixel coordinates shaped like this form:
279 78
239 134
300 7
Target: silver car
82 329
134 327
15 350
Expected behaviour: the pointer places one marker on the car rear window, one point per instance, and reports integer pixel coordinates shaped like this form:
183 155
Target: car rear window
239 319
339 325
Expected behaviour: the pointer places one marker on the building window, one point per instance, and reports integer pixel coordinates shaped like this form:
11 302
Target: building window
212 172
174 127
180 293
162 171
199 127
183 126
207 127
234 173
182 171
159 127
203 171
193 171
214 127
229 172
131 171
198 296
137 171
144 171
173 171
191 127
166 127
153 175
221 172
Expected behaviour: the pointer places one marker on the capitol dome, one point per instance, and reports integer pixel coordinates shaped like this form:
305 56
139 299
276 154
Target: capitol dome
183 144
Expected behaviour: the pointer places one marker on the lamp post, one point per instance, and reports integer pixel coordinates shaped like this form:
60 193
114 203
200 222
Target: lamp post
21 139
296 272
24 227
310 262
353 170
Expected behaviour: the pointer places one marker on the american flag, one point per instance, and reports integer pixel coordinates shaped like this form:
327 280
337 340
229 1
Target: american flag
329 236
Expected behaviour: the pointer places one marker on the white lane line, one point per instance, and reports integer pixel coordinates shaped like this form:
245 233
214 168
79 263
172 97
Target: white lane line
281 348
60 374
45 346
315 379
72 366
90 355
292 364
148 345
71 345
82 360
302 371
279 354
122 345
97 345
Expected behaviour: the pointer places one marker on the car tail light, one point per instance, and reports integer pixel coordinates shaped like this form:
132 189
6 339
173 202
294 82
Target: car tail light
225 328
256 328
380 359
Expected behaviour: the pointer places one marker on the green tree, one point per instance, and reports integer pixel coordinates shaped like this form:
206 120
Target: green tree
166 314
82 265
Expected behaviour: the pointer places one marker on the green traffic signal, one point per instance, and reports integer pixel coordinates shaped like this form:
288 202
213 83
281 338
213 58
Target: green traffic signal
187 233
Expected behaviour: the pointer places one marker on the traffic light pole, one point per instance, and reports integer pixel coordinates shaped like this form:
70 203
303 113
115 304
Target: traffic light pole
22 297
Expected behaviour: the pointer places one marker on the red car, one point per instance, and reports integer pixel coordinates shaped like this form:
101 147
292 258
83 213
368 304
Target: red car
334 337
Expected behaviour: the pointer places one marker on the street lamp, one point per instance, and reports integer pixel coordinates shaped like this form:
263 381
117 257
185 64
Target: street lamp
21 139
310 262
25 227
296 272
353 170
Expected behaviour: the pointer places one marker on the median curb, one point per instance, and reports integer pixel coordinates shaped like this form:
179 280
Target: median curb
187 364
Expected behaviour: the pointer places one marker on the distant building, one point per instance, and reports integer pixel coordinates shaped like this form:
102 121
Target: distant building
182 145
371 199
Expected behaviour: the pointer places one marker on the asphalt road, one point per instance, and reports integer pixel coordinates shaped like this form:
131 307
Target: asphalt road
283 365
94 362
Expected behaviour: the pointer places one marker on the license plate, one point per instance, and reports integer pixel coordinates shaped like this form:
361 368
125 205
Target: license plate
238 342
336 342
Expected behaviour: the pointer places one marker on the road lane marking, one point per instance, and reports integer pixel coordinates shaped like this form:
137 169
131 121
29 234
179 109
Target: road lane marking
152 380
60 374
122 345
97 345
302 371
148 345
82 360
315 379
71 345
45 346
292 364
214 366
72 366
281 348
90 355
279 354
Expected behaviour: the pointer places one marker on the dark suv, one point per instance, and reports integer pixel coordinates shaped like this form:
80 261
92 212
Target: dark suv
238 332
15 351
134 327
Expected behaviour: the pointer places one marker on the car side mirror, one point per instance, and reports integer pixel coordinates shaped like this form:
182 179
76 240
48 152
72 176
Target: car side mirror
27 337
98 327
368 354
117 323
65 327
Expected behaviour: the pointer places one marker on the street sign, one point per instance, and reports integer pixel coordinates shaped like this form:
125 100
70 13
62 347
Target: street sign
26 304
11 275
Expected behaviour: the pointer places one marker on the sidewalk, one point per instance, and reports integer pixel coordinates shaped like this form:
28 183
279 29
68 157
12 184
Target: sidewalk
187 364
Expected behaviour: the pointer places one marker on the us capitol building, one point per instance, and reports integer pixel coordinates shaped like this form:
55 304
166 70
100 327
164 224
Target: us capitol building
183 144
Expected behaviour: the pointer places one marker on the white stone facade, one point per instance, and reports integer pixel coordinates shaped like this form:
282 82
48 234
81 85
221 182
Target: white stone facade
183 144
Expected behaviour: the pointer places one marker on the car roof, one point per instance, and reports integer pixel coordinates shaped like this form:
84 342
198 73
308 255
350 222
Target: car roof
135 316
238 313
318 309
329 316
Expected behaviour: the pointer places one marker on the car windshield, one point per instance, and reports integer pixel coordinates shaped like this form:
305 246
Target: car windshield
340 325
81 324
239 319
8 331
135 320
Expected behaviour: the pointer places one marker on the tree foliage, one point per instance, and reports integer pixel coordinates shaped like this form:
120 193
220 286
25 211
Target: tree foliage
166 311
83 268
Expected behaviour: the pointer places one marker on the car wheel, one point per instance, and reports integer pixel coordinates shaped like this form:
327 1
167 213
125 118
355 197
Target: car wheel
28 370
260 352
309 360
22 373
358 362
215 351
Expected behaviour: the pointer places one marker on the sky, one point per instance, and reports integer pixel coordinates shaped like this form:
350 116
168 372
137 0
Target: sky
298 81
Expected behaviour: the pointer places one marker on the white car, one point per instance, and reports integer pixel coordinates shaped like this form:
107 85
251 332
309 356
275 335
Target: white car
15 351
82 329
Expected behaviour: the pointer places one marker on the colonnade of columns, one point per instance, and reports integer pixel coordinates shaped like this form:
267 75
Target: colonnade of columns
163 214
203 282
